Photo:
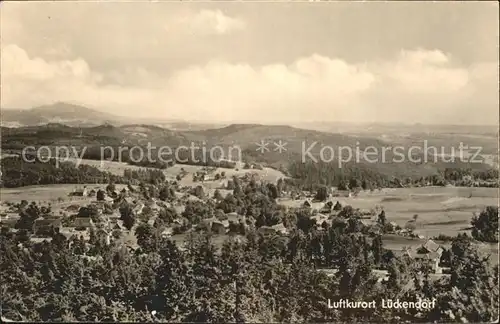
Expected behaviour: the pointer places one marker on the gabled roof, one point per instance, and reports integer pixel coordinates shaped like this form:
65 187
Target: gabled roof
224 223
73 208
279 227
82 222
47 222
119 225
424 256
431 246
9 222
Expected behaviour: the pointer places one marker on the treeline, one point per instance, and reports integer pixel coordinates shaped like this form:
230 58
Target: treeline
311 175
254 278
17 172
158 159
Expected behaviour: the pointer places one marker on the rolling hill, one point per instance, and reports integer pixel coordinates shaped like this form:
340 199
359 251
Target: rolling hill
60 112
245 136
80 116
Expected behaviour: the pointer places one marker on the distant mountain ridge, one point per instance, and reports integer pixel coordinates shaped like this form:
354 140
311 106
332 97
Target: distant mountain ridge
81 116
59 112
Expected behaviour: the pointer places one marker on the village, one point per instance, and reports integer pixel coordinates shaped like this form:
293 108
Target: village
98 210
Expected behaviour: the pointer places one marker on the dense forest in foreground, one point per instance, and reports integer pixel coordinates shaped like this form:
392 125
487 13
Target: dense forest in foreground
250 277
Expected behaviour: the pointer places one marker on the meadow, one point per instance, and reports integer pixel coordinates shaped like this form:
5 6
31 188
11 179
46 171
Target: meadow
440 210
118 168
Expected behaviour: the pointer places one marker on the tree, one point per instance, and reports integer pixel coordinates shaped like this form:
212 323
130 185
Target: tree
354 183
127 216
471 294
165 193
321 194
337 206
89 211
28 215
382 219
377 249
347 212
199 192
168 215
366 185
273 191
111 187
100 195
146 237
342 186
218 195
485 226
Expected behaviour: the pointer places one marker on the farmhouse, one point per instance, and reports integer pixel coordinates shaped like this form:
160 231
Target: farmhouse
8 222
234 217
118 225
342 193
327 208
138 208
46 226
208 177
275 229
220 227
430 252
82 223
381 275
319 219
267 230
167 232
306 204
80 192
73 208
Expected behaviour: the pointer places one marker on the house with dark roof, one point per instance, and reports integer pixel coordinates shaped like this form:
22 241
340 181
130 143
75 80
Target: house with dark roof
430 252
44 227
275 229
219 227
342 193
9 222
235 217
167 232
118 225
82 223
320 219
327 208
280 229
306 204
80 192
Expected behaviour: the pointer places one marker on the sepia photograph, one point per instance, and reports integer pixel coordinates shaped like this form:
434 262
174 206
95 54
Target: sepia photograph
249 161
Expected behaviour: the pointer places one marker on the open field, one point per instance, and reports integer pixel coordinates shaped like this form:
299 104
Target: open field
47 193
113 167
50 194
440 210
117 168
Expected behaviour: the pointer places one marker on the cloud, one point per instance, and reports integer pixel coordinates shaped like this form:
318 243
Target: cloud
206 22
414 86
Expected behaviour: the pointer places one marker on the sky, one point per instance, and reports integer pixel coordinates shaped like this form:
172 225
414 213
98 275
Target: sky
279 62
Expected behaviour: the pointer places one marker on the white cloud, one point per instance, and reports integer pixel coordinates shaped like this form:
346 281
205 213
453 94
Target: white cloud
414 86
206 22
